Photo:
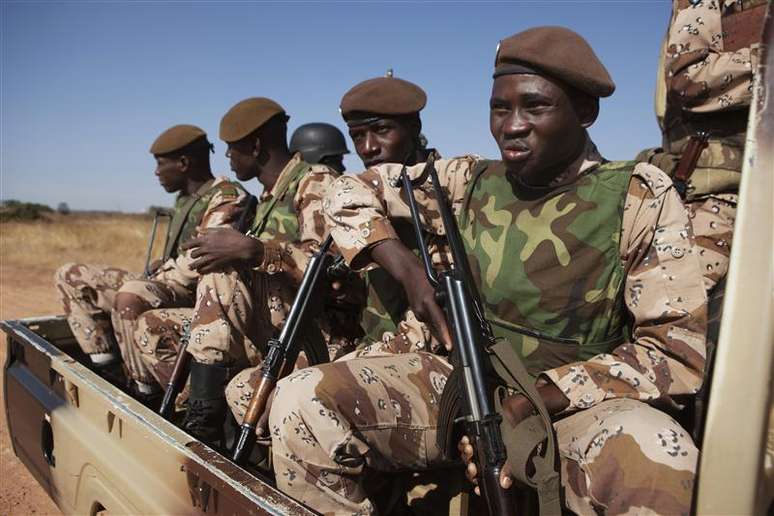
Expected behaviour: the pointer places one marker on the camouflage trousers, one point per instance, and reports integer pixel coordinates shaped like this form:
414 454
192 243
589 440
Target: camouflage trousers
713 226
234 316
239 390
104 302
87 293
158 338
337 426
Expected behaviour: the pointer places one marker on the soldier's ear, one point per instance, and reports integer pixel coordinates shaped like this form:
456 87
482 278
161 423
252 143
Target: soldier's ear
257 147
587 108
184 163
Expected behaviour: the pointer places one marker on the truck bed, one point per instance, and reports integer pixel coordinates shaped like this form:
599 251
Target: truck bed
94 448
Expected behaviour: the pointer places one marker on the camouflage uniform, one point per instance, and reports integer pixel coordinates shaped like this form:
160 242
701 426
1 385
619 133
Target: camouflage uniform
89 292
705 84
236 312
376 410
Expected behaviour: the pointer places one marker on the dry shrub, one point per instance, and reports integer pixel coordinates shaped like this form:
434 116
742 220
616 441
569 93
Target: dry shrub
114 239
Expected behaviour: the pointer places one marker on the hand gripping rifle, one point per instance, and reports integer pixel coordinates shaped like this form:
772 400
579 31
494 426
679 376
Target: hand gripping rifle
472 355
183 360
283 351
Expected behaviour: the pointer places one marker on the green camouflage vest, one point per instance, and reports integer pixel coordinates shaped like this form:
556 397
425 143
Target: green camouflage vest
276 217
188 213
547 262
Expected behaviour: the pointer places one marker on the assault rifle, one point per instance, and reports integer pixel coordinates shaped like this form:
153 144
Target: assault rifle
183 360
157 214
471 334
283 351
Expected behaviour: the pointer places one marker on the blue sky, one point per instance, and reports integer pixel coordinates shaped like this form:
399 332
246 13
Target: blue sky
87 86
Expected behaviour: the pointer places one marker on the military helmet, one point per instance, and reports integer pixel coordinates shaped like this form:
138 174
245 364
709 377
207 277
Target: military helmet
318 140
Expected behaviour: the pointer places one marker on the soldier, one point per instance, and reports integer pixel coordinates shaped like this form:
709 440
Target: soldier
594 260
89 293
249 281
320 143
384 122
383 117
705 85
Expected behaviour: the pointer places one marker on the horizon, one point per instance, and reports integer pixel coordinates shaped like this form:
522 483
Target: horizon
87 86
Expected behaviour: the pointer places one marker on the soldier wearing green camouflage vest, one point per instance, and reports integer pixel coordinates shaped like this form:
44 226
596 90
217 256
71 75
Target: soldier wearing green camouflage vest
588 267
705 85
95 296
249 281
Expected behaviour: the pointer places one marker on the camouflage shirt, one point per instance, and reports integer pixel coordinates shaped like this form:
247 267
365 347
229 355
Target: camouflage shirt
663 354
289 223
711 53
219 204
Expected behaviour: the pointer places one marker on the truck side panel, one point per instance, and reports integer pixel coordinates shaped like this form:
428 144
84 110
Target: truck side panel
93 447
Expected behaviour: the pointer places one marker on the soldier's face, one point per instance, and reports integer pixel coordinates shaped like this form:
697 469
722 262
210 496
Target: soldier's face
536 127
386 140
171 173
242 159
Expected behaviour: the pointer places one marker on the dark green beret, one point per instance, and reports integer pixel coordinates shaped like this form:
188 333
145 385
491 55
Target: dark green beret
384 96
558 53
175 138
247 116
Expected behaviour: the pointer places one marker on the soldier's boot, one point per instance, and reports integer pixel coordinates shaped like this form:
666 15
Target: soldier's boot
207 407
109 366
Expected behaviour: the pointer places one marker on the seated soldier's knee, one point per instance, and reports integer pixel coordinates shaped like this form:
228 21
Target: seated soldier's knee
629 436
130 305
295 401
64 274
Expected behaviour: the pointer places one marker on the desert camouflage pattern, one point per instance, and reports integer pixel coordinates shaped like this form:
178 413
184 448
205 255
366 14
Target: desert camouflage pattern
713 225
375 411
705 84
159 336
174 284
87 293
710 58
597 445
334 426
102 303
236 312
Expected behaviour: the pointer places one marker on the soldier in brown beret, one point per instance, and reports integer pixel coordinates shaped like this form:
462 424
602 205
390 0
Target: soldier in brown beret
383 117
105 323
249 281
586 270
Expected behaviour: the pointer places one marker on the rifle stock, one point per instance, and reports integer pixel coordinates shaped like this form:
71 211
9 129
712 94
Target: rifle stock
471 335
282 352
183 359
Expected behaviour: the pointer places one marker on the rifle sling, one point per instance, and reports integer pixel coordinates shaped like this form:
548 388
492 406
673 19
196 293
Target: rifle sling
522 439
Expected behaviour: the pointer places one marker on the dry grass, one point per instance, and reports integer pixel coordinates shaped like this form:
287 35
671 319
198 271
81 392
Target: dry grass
118 240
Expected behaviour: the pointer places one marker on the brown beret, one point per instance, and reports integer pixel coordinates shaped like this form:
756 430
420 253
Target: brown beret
384 96
247 116
557 52
176 138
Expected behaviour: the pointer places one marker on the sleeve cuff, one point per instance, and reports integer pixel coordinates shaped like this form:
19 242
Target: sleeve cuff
272 258
363 239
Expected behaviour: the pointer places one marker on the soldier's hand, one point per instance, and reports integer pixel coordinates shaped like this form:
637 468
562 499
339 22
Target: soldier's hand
467 453
421 298
404 266
215 249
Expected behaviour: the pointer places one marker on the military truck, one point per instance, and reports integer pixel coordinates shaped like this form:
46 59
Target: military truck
95 449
